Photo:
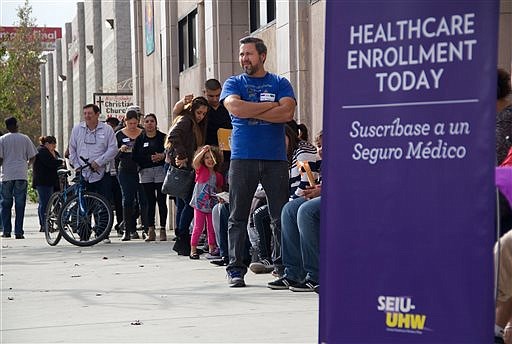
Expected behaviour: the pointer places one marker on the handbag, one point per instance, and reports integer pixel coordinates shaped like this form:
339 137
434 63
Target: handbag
178 182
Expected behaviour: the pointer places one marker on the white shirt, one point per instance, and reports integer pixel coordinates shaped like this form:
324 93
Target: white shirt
15 150
98 145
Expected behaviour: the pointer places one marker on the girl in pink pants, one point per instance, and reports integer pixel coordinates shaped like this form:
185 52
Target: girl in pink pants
208 183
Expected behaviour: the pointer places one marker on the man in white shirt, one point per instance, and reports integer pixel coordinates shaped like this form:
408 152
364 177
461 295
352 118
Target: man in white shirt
16 153
94 141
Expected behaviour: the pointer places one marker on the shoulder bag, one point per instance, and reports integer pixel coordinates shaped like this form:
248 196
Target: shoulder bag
178 182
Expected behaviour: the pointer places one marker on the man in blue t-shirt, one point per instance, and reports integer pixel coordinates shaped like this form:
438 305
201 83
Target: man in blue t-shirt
259 103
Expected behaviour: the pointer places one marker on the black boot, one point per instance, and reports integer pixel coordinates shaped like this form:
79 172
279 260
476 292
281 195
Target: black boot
182 244
185 245
178 244
129 225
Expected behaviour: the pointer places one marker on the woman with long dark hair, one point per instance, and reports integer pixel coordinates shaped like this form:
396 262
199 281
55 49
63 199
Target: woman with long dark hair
185 136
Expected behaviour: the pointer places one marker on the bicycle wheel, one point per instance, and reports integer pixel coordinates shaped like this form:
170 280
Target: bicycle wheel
87 226
51 226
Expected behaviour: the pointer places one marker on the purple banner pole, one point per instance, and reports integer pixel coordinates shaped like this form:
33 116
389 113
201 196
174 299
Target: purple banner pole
408 197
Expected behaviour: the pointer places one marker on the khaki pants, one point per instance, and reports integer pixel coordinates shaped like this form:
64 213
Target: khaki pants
505 267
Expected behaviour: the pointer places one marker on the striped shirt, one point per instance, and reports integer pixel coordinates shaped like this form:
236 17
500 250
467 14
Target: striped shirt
299 181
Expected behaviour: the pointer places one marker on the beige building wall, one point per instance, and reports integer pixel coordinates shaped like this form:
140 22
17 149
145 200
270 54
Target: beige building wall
61 146
89 56
121 48
225 23
75 57
268 35
505 35
50 95
108 45
316 64
78 57
154 85
68 84
116 66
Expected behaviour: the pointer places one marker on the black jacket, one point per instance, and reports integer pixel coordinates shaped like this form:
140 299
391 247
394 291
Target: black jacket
44 172
145 147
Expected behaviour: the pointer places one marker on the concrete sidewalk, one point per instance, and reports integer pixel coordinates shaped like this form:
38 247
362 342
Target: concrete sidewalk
138 292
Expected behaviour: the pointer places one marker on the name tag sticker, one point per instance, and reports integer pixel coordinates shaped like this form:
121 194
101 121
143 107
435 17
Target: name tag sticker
101 136
126 139
267 97
146 144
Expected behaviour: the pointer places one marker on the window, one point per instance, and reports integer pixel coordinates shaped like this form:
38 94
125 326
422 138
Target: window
261 13
189 54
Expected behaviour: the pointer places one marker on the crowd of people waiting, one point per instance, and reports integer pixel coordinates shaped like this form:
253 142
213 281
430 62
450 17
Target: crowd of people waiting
270 221
270 162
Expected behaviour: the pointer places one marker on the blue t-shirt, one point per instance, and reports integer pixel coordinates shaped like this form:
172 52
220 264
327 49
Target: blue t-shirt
253 138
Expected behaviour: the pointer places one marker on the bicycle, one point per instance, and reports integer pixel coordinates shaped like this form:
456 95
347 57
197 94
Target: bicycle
57 199
83 218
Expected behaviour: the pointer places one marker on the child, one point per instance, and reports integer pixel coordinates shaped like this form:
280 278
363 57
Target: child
208 183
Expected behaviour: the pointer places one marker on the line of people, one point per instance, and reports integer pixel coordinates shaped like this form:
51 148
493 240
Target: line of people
266 149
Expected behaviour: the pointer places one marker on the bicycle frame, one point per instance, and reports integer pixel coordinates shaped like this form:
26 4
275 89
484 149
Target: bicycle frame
78 188
83 218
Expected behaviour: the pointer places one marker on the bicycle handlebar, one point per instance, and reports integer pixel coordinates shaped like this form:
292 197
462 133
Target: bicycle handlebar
87 164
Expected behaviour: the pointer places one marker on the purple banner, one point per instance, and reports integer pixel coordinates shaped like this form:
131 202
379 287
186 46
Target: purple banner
408 197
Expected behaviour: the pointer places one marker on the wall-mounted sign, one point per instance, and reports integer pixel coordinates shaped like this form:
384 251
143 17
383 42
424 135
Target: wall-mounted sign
46 35
113 104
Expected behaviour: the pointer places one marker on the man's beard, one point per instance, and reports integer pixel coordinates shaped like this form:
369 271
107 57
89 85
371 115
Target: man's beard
249 69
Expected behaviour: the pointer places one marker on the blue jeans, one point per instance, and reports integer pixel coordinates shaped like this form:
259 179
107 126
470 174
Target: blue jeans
130 187
184 216
301 239
44 192
244 176
154 195
117 198
132 191
222 234
14 190
221 227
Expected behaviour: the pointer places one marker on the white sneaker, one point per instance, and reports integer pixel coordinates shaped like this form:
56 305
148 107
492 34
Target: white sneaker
107 241
261 267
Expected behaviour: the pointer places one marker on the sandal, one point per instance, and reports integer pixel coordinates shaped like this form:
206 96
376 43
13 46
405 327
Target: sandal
194 256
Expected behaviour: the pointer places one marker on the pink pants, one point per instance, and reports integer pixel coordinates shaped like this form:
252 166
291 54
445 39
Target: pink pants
199 219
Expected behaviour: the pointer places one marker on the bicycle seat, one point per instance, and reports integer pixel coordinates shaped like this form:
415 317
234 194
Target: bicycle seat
63 172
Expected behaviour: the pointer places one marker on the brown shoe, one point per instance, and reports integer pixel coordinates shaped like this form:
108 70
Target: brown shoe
151 234
163 234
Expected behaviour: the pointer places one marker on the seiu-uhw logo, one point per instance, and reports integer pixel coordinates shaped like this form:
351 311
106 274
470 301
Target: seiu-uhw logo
399 316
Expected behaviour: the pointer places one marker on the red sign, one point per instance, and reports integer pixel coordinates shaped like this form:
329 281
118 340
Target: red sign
46 35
